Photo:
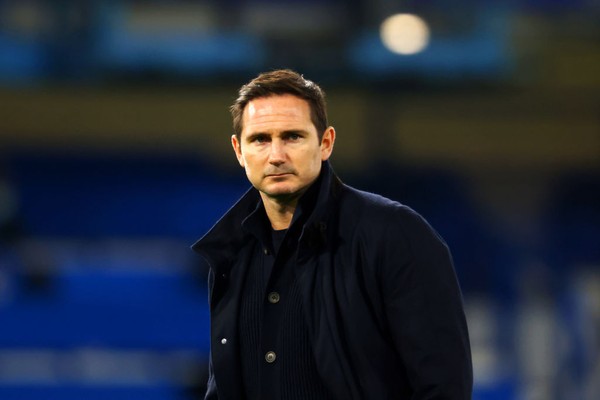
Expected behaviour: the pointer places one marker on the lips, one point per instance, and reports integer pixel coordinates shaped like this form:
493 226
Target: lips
278 174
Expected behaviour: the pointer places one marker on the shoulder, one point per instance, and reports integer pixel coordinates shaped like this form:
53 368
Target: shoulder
375 217
372 207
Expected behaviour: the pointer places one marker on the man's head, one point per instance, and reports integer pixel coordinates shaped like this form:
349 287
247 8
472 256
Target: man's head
281 82
277 140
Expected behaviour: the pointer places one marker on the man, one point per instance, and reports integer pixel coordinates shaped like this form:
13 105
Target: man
318 290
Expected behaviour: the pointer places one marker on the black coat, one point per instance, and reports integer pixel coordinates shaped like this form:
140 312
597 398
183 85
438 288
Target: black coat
381 299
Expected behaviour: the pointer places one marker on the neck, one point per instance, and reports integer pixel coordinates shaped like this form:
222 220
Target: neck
280 212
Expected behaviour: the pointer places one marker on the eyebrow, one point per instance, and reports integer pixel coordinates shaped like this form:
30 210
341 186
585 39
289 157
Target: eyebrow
294 132
287 132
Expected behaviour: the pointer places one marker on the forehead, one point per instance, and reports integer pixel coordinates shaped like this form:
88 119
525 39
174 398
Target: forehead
276 110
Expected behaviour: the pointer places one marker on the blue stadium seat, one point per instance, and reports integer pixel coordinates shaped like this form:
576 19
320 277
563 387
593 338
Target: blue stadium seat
96 197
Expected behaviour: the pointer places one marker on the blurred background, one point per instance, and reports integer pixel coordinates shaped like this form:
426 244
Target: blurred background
115 157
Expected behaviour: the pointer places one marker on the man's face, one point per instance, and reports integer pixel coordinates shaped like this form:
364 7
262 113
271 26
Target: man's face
279 147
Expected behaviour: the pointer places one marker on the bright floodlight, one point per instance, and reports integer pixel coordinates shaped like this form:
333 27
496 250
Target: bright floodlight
404 33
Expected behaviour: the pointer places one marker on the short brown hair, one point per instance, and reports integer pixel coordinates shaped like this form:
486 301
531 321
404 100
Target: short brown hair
279 82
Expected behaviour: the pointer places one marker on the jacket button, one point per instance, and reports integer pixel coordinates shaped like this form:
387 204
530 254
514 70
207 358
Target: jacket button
274 297
266 251
270 357
224 341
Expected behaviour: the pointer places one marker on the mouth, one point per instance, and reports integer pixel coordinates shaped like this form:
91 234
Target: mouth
278 175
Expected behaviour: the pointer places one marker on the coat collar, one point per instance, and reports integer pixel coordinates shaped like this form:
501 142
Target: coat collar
221 244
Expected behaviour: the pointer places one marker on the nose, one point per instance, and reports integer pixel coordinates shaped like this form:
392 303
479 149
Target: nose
277 154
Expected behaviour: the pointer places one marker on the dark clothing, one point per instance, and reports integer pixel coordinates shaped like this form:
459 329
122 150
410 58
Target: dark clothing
271 318
378 291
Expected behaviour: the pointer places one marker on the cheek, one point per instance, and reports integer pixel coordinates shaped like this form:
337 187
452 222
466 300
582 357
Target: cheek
251 164
313 164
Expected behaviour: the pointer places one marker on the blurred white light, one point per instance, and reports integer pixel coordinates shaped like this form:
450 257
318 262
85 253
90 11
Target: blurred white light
404 33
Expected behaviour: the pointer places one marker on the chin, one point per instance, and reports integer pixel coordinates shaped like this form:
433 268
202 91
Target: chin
281 191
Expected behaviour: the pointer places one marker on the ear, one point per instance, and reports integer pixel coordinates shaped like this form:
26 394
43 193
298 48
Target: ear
237 148
327 143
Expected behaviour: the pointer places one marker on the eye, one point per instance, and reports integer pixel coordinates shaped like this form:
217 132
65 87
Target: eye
260 139
294 136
